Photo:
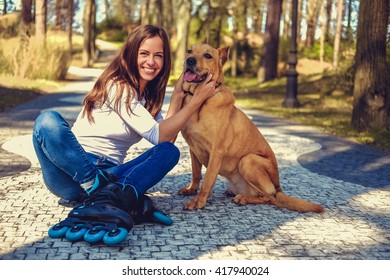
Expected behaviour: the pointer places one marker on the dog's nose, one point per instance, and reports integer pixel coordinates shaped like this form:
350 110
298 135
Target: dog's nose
191 61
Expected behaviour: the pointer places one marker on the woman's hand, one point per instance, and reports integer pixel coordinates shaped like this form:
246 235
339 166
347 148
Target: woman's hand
205 90
177 116
178 90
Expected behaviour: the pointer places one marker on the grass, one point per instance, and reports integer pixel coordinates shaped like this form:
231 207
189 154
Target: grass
16 90
325 103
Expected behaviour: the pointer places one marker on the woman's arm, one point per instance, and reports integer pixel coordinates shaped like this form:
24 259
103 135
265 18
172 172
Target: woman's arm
177 116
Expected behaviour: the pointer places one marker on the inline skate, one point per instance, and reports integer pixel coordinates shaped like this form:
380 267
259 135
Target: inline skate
108 215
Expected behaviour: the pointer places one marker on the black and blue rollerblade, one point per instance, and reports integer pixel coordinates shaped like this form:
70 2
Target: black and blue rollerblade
145 212
108 215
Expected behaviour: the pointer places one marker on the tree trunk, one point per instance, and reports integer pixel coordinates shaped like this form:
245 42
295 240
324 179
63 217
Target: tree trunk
286 18
168 21
337 37
371 91
183 8
329 4
26 19
299 21
94 50
70 25
323 34
313 12
156 18
40 21
268 69
87 30
258 20
5 7
145 12
349 19
107 9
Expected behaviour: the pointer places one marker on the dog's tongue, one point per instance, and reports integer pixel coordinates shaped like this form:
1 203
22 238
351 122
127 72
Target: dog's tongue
189 76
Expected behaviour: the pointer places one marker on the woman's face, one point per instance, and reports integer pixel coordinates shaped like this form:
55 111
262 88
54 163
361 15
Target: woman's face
150 59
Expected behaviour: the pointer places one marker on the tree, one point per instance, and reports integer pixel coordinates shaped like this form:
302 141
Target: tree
40 21
88 30
328 8
182 27
258 16
371 90
27 19
313 10
348 34
145 12
4 7
268 69
70 24
156 17
337 37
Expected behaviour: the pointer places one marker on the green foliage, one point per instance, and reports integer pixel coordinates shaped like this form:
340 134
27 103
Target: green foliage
284 49
248 58
112 30
330 112
313 52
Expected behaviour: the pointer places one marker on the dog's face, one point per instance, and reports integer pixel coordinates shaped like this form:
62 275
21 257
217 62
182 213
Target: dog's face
201 60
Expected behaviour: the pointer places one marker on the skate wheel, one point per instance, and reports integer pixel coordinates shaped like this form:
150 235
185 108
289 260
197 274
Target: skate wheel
115 236
57 231
94 235
75 233
162 218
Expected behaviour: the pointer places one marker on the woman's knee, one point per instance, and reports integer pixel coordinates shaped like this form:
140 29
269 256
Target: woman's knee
171 151
49 121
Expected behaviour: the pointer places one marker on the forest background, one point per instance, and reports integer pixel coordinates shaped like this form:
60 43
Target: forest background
343 52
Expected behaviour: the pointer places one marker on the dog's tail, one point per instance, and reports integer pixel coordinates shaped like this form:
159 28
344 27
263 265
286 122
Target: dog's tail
296 204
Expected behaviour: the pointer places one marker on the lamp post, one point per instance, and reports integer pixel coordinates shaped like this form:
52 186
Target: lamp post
291 100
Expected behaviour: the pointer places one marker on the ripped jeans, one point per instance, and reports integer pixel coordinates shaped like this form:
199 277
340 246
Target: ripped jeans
65 164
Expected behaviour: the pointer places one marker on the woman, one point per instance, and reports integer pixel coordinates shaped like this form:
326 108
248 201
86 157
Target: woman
123 107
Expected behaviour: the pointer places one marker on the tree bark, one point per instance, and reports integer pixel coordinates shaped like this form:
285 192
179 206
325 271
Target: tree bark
26 19
337 37
70 25
371 91
145 12
313 12
286 18
40 21
329 4
87 30
182 28
268 69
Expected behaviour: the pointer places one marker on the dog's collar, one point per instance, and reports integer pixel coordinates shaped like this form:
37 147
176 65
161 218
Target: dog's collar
192 94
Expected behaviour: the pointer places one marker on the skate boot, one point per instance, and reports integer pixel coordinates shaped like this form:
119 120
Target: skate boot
102 179
104 216
145 212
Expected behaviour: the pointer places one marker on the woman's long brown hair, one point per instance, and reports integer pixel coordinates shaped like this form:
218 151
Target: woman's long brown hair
123 73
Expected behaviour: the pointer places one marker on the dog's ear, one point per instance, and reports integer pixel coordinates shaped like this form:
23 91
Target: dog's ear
224 54
205 41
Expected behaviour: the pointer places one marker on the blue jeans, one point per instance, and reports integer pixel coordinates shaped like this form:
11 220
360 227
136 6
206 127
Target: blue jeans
65 164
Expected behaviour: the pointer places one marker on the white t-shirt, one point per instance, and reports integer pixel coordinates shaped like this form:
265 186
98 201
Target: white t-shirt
113 133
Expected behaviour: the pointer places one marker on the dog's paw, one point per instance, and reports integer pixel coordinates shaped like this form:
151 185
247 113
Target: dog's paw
240 199
195 204
188 191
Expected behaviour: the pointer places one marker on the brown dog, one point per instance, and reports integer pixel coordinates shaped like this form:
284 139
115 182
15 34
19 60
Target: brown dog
224 140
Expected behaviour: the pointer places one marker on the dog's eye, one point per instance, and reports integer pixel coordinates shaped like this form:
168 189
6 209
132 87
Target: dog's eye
208 56
189 51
